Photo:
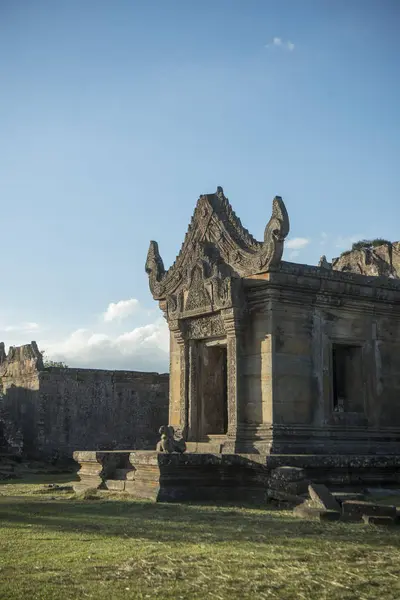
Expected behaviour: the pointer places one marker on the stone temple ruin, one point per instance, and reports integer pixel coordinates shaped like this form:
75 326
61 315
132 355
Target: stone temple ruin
271 363
47 412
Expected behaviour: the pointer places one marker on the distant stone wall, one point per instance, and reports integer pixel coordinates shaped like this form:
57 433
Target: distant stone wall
49 412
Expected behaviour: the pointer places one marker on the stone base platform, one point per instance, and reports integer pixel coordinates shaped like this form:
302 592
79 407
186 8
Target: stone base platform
221 477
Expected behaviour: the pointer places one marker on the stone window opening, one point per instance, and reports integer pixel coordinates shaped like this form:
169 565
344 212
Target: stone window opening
347 380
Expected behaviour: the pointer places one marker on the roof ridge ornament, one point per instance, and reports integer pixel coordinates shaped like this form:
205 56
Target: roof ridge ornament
215 223
275 233
154 268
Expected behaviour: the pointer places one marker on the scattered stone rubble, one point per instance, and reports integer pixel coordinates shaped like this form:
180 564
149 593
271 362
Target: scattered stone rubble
290 486
323 505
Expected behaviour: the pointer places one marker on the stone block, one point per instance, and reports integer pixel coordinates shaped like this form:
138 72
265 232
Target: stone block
375 520
307 512
368 509
288 474
163 477
115 485
291 487
320 494
97 467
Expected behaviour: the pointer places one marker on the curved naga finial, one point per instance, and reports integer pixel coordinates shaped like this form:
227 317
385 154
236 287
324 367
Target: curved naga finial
154 268
274 235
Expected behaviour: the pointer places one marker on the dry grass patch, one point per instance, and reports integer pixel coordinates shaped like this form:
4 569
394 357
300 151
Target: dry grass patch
67 547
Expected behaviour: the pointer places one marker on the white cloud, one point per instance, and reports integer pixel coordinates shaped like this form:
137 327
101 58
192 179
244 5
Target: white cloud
120 310
297 243
21 328
142 349
279 43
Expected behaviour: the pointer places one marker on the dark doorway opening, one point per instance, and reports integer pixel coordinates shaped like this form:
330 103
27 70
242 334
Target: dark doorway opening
347 378
212 390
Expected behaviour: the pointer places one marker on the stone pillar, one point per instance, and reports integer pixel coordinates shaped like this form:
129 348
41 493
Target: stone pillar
179 370
193 412
232 328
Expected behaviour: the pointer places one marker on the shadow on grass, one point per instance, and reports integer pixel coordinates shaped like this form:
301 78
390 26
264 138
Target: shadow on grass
174 523
42 478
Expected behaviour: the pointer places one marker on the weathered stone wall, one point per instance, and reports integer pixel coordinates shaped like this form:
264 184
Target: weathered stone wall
371 260
54 411
306 314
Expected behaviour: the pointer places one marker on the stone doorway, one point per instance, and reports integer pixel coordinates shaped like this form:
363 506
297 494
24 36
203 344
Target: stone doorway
211 391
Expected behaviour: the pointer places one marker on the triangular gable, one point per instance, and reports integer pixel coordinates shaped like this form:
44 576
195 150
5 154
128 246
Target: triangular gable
217 238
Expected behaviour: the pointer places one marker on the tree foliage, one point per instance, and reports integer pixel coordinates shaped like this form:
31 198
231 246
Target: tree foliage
361 244
53 363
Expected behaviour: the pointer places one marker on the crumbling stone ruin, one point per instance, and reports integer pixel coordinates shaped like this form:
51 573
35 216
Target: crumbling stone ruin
47 413
376 257
271 364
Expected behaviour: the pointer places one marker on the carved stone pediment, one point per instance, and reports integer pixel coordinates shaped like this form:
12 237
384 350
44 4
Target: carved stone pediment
199 295
207 287
218 246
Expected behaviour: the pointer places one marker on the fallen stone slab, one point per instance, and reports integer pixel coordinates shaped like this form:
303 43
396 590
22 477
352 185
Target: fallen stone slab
307 512
385 521
288 474
368 508
320 494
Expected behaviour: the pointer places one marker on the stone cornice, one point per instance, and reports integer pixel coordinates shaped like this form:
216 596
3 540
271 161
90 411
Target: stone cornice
313 285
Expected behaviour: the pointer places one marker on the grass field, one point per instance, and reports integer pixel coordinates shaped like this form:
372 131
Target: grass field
54 545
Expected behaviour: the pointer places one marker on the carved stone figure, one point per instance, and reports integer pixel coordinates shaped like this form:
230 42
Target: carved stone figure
168 443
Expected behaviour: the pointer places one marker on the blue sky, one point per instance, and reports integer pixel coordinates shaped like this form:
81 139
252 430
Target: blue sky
116 116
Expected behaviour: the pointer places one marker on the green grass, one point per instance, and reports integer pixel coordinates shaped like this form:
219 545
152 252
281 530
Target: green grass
54 545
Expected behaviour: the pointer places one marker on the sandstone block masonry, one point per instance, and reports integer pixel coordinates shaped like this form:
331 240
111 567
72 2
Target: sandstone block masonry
50 412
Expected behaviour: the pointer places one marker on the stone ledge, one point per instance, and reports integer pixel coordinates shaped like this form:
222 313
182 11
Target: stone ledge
193 475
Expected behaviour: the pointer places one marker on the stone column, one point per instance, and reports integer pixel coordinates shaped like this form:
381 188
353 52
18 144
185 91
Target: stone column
179 370
232 328
193 395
